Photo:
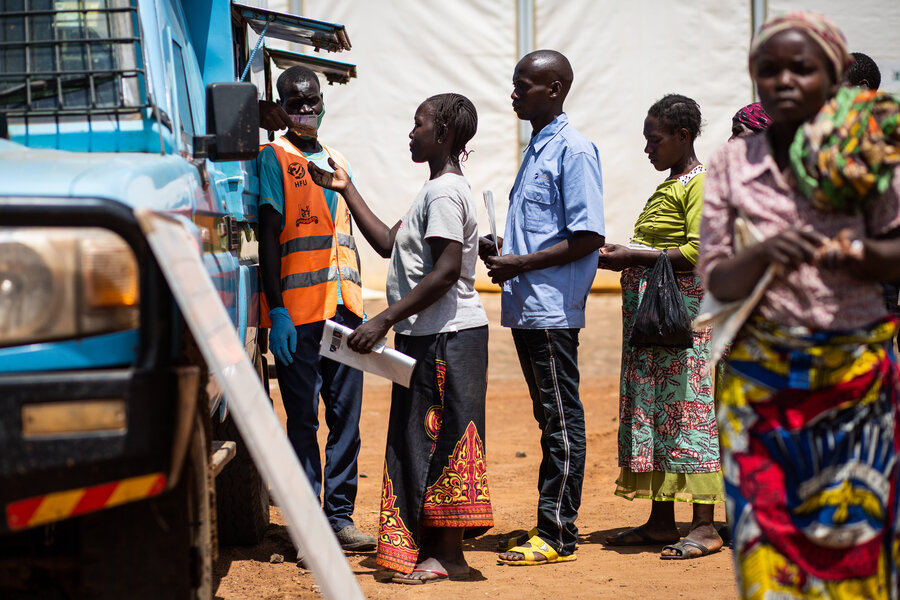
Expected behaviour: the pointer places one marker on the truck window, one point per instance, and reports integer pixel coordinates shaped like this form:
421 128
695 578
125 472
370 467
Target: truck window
185 113
71 58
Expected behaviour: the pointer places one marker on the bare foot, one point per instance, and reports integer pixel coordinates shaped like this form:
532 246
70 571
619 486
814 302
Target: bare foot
705 535
431 569
644 535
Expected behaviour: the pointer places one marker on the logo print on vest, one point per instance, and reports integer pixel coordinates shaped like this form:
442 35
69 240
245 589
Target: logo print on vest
305 217
296 170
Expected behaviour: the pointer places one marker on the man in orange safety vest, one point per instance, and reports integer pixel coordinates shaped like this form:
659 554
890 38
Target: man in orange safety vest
310 272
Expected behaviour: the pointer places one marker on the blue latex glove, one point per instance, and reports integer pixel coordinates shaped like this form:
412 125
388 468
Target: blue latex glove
283 336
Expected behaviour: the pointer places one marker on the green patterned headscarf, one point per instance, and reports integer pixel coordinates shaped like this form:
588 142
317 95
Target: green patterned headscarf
847 153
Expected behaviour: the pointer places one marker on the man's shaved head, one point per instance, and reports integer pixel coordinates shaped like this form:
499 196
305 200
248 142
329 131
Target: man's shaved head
551 66
541 81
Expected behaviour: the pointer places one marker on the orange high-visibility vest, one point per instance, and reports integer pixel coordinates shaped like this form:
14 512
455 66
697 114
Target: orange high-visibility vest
316 251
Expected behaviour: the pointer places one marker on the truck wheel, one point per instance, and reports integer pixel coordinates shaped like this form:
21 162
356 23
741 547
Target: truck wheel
242 496
159 548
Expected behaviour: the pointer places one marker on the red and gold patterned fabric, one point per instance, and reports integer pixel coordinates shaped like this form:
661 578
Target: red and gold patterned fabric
435 472
460 496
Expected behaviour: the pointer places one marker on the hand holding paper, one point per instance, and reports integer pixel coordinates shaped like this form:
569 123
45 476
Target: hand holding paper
368 336
382 360
492 219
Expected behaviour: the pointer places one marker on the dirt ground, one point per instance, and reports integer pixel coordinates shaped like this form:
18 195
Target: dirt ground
599 572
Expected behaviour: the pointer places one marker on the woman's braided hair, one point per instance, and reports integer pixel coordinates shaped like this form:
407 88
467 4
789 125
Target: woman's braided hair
675 112
454 112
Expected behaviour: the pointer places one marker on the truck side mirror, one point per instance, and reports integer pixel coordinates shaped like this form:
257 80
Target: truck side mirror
232 123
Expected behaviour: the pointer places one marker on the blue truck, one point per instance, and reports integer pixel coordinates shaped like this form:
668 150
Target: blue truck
120 467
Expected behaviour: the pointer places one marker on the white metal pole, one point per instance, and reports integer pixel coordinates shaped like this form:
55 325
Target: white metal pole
758 11
525 44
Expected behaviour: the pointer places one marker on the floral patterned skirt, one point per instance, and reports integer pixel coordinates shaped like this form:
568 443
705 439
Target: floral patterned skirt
434 466
667 422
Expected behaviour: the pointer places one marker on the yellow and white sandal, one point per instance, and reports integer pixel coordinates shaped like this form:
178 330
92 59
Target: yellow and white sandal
537 548
507 544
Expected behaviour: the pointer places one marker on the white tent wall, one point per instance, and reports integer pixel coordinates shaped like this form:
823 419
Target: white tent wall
406 51
625 56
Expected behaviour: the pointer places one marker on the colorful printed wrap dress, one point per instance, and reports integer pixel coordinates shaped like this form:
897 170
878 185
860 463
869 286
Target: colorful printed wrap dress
668 440
808 403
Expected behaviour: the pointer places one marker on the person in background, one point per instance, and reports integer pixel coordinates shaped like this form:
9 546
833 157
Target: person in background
668 441
749 120
309 269
435 489
554 229
809 402
863 72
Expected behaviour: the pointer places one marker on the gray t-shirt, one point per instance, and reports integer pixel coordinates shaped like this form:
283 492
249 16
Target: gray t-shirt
444 209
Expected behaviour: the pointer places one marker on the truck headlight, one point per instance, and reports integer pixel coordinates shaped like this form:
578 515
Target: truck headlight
59 283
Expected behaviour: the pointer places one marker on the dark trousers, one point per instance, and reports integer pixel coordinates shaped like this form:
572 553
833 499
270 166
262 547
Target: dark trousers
301 383
549 359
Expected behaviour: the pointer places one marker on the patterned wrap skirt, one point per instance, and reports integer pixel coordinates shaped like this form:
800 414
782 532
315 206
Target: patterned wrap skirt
434 466
668 440
808 423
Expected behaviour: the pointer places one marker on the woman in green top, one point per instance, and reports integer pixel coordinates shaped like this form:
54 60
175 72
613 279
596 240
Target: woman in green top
668 439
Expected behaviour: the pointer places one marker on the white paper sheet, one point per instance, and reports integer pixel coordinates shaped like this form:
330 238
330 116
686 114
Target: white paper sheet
383 361
492 218
176 252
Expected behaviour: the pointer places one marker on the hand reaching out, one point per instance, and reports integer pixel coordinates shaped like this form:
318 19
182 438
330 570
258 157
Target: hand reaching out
338 181
272 117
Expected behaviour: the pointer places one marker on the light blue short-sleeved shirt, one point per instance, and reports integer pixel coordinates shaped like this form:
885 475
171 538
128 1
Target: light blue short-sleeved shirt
558 191
271 185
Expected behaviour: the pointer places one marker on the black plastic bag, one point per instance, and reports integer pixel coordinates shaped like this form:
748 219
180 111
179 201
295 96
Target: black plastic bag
661 319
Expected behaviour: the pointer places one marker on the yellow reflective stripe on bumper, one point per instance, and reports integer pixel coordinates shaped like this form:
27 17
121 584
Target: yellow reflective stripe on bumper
39 510
56 507
133 489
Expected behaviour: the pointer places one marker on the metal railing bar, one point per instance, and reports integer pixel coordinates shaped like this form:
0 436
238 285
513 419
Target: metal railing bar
62 11
131 71
57 42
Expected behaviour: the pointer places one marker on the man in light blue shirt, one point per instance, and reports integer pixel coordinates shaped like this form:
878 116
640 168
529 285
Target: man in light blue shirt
554 230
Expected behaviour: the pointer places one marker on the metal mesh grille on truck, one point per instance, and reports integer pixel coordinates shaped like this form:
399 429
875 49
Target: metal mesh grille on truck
67 60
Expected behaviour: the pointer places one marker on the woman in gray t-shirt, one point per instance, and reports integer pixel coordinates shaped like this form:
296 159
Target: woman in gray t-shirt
435 489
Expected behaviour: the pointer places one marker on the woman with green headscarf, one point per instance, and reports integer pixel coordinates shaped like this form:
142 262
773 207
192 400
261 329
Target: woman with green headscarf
808 404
